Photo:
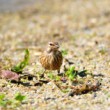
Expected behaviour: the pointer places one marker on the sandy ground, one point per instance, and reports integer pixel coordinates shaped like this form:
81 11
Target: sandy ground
81 27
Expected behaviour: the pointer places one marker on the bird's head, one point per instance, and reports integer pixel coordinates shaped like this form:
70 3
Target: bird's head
53 46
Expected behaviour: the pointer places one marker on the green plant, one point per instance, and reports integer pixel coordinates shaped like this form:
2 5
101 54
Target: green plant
50 75
4 102
20 66
19 97
64 52
53 77
71 73
57 78
12 103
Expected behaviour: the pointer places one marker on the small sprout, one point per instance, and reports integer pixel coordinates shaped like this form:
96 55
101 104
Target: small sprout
64 52
71 73
57 78
19 97
19 67
53 77
3 101
2 96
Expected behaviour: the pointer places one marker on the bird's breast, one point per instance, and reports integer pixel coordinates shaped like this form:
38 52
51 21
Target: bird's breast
51 61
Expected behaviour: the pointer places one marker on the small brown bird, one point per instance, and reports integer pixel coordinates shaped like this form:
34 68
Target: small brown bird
52 58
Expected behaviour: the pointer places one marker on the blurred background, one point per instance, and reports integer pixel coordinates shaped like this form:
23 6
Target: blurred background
60 20
13 5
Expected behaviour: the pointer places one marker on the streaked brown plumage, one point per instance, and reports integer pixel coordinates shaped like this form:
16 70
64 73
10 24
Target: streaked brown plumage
52 58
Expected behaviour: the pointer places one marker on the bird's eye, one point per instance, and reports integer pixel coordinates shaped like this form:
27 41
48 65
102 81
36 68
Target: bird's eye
51 44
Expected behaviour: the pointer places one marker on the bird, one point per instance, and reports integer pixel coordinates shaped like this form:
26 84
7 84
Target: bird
51 58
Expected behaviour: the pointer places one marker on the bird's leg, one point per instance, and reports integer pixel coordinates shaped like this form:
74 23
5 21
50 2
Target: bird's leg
60 74
58 71
42 75
44 71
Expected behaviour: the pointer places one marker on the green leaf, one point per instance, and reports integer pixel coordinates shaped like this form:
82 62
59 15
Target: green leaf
71 73
19 67
20 97
64 52
57 78
51 76
2 96
3 103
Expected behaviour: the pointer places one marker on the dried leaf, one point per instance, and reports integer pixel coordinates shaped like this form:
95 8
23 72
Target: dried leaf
9 75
